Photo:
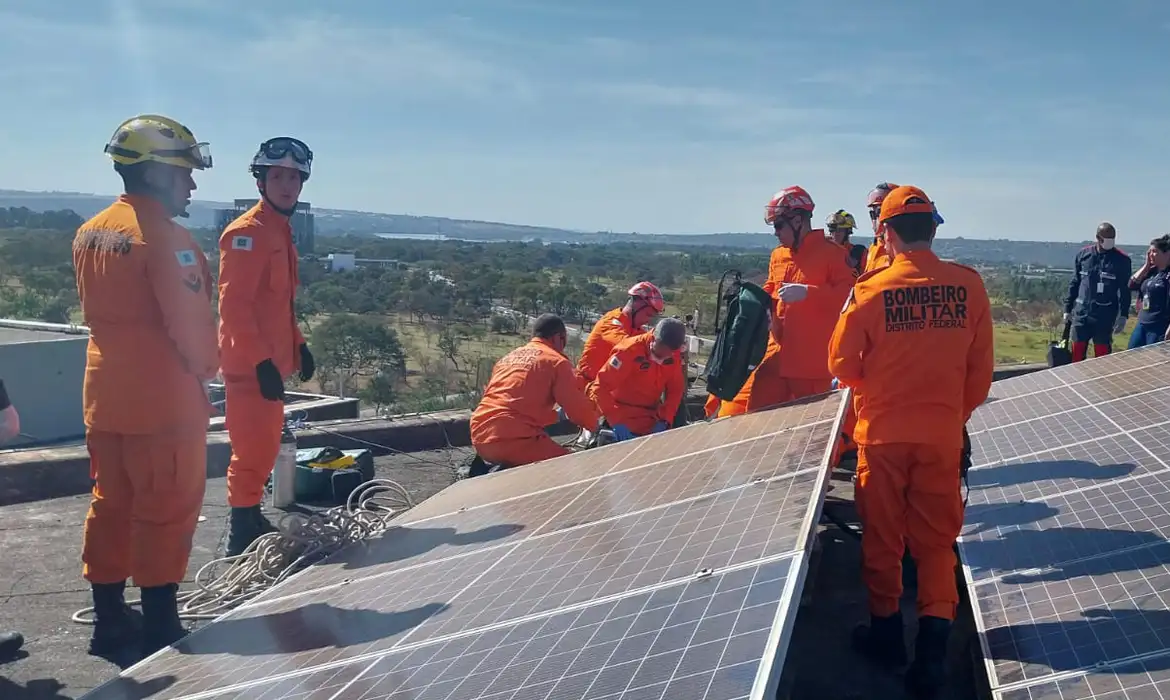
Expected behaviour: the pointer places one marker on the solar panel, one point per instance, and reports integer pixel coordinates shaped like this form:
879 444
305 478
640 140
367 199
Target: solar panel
1065 542
665 567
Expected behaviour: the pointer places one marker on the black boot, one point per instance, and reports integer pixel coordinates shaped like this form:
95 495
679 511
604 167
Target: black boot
263 524
924 680
882 641
116 627
10 643
160 618
245 528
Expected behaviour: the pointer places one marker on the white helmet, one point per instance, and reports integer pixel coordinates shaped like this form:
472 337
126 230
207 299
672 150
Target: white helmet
283 152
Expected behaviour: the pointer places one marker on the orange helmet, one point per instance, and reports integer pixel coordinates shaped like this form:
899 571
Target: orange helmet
794 197
648 293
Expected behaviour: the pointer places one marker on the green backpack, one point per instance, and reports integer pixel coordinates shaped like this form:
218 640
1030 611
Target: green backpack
741 342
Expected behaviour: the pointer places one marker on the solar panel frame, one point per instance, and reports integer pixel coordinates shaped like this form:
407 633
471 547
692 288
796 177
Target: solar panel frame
804 433
1120 517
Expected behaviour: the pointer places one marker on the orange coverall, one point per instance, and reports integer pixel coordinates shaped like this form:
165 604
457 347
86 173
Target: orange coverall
797 368
610 329
257 284
629 388
507 427
915 344
876 256
145 291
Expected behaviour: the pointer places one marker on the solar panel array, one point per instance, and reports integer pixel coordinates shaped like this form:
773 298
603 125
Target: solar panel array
667 567
1065 545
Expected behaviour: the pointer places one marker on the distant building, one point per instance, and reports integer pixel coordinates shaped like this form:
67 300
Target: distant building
340 262
302 222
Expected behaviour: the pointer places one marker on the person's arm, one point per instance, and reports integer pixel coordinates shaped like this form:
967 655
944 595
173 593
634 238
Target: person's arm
612 375
675 388
839 279
1124 293
849 342
981 354
190 328
242 265
1074 286
569 396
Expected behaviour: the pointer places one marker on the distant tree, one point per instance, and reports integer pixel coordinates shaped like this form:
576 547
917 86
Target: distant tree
346 344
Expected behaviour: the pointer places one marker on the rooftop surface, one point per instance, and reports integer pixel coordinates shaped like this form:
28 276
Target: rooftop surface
41 587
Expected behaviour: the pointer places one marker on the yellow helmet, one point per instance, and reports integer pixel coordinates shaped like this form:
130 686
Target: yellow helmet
151 137
841 219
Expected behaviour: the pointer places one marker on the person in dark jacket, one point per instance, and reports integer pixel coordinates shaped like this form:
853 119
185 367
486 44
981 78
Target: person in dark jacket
10 642
1098 298
1152 282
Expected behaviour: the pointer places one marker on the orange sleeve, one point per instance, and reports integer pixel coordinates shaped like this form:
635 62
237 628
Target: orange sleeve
241 267
981 355
849 342
675 386
613 374
569 396
839 279
773 281
194 340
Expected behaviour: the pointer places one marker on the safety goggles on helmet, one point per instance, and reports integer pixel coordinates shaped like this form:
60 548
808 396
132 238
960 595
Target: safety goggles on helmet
284 152
281 146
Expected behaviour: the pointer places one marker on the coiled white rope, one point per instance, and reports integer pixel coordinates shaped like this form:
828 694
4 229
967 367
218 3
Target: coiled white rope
301 540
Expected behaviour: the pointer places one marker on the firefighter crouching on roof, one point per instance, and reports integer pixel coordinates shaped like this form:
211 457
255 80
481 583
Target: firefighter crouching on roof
809 276
914 342
1099 296
639 389
507 427
259 340
145 291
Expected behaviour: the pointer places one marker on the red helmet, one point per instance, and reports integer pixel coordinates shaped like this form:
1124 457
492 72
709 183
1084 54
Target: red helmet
878 193
794 197
648 293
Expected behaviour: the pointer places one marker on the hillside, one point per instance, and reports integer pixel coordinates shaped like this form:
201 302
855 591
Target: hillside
339 221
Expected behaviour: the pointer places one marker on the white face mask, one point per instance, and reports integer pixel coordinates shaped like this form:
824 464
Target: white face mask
1107 243
9 424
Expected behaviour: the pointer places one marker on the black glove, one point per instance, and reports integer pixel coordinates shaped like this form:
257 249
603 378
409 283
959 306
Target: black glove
271 383
4 401
308 365
965 459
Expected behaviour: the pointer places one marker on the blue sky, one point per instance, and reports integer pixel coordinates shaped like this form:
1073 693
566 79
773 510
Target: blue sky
1029 119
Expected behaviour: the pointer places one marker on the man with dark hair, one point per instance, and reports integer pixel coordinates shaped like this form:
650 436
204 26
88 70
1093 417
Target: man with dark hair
631 387
259 339
1099 296
145 291
507 427
914 342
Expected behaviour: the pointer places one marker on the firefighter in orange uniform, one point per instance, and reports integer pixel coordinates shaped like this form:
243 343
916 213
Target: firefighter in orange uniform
259 340
507 427
639 389
644 303
145 291
810 277
914 342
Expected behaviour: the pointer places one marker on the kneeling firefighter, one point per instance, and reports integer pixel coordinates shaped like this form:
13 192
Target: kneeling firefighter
639 389
260 342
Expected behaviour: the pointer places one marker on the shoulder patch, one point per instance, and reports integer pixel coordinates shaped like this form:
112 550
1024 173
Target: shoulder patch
242 243
615 362
186 258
